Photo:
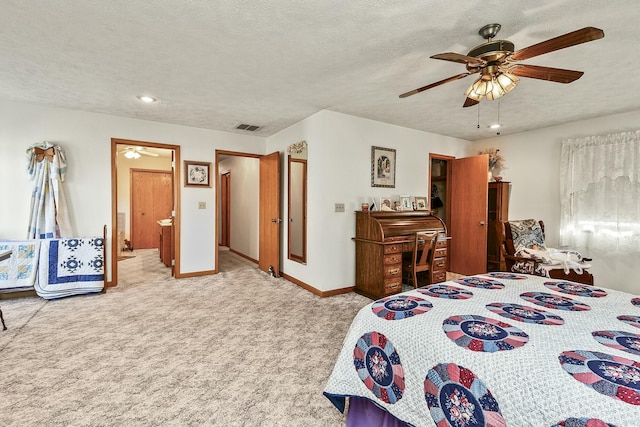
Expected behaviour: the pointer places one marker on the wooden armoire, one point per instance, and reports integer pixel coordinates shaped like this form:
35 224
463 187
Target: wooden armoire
498 210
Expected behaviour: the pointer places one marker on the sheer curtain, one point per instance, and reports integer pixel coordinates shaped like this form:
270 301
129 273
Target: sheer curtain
600 193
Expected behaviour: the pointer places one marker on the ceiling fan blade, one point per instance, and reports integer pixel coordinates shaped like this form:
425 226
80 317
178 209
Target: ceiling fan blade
148 153
583 35
432 85
463 59
470 102
557 75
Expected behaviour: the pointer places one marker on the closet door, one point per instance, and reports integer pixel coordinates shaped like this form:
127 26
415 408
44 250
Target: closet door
151 200
468 210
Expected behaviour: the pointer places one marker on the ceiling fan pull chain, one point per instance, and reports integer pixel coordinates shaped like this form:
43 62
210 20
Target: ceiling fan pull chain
478 116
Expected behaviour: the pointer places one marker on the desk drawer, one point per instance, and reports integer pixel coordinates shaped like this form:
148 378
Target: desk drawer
392 285
439 276
441 252
439 264
393 259
393 248
393 270
441 244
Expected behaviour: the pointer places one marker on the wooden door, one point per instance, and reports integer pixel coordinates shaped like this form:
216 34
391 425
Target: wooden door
468 215
151 200
225 209
270 219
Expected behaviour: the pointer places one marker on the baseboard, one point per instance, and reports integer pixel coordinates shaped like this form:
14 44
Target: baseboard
17 294
196 274
243 255
315 291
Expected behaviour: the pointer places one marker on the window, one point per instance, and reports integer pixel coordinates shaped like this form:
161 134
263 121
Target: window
600 193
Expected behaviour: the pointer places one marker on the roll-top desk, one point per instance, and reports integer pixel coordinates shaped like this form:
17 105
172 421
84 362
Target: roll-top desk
382 238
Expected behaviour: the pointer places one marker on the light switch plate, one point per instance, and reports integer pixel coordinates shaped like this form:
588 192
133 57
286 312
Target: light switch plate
339 207
202 205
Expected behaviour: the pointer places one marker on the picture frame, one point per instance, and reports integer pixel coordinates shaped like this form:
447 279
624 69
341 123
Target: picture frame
197 174
405 203
383 167
385 204
421 203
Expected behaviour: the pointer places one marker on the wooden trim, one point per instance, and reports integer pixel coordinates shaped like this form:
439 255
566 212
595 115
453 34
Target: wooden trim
243 255
237 153
196 274
315 291
4 295
114 203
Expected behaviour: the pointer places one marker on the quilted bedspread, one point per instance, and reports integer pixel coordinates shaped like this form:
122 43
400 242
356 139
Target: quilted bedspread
498 349
70 266
21 268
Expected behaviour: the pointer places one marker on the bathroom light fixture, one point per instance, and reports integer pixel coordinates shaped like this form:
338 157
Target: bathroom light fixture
147 98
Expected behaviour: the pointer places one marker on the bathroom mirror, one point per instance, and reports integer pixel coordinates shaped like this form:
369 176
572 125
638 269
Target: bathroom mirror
297 229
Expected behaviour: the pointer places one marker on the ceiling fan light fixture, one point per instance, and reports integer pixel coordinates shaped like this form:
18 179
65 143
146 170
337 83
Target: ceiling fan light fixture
130 154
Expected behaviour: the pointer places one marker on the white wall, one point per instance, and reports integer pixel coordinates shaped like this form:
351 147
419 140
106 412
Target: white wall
244 204
86 138
339 171
533 167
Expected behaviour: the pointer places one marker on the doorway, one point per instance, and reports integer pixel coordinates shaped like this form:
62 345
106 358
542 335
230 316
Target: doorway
243 205
145 190
463 184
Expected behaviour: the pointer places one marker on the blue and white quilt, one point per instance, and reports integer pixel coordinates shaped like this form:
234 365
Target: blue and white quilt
21 268
497 349
70 266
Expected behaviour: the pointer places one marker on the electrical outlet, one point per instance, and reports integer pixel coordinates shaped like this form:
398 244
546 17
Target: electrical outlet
339 207
202 205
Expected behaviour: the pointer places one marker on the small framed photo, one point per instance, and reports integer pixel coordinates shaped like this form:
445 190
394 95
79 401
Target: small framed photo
386 204
421 203
405 203
383 167
197 174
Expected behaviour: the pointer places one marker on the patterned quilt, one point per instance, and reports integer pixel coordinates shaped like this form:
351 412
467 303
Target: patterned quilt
70 266
20 269
499 349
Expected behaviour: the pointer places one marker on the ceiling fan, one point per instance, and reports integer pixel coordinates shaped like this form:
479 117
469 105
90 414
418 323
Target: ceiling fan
136 152
497 63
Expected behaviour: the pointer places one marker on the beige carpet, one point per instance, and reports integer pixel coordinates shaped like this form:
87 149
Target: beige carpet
236 349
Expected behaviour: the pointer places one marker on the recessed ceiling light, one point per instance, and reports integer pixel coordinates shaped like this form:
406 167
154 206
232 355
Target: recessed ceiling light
146 98
495 126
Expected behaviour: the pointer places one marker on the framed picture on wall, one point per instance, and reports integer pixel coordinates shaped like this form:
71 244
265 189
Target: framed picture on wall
383 167
197 174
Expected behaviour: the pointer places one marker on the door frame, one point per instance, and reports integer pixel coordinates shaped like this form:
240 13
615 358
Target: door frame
220 153
114 202
225 209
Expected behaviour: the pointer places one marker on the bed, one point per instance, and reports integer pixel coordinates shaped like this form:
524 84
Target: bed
495 349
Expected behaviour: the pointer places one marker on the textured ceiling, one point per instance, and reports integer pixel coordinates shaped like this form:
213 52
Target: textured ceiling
215 64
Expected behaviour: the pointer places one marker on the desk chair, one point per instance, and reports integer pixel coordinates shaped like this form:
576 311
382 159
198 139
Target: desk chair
529 233
422 257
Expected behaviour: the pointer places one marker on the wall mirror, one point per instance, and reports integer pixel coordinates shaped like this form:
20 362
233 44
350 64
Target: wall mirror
297 230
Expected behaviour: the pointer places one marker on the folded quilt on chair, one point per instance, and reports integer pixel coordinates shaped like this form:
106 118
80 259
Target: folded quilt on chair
20 269
70 266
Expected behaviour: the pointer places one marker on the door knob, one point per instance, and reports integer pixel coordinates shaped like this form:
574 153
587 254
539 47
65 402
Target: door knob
278 220
481 223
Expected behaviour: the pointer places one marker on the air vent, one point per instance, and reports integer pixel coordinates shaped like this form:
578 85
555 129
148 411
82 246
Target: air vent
250 128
